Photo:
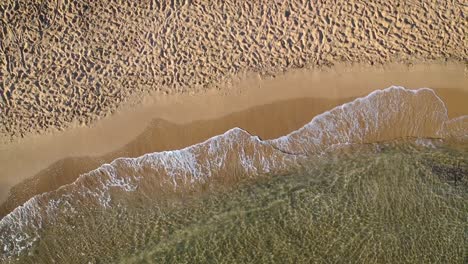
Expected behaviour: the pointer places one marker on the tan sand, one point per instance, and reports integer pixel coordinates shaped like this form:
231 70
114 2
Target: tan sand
77 61
292 100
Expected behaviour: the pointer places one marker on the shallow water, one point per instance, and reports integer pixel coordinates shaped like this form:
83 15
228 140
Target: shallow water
380 179
394 202
398 204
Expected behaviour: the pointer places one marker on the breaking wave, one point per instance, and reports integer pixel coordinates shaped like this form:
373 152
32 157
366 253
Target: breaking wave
383 115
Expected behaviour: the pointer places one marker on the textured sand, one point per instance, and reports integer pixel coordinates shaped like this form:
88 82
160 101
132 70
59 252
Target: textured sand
64 62
53 160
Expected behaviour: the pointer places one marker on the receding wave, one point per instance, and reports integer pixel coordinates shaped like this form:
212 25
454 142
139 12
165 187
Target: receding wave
383 115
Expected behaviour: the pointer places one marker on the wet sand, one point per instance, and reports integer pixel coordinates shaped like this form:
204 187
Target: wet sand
268 108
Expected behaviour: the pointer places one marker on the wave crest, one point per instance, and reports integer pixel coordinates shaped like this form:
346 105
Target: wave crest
382 115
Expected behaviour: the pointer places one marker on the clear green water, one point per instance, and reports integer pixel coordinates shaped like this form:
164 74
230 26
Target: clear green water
387 203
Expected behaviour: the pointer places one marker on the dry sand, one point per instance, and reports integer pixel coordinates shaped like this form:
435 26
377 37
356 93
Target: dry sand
77 61
269 108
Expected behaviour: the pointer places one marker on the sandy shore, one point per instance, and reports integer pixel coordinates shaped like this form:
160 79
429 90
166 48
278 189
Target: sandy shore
268 107
86 82
78 61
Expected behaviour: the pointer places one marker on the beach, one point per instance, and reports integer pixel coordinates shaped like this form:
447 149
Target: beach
110 107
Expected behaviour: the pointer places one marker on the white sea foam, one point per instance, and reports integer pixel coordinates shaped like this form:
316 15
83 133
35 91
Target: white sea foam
196 163
417 113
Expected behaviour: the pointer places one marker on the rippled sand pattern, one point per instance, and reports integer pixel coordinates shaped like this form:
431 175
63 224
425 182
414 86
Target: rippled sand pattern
64 61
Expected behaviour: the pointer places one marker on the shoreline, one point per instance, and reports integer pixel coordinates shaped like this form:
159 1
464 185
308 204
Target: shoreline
244 104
